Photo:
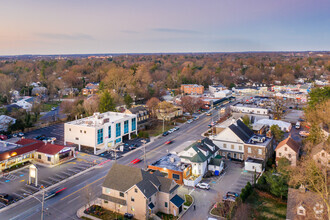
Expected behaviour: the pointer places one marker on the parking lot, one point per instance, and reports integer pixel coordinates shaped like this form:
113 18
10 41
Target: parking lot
233 179
16 183
56 131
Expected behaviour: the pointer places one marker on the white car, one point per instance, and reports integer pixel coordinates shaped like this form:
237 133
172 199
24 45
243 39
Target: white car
189 121
203 186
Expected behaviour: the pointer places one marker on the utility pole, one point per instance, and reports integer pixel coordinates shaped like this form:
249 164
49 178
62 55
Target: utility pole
42 204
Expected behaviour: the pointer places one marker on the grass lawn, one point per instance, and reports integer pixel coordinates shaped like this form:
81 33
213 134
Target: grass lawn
157 129
166 216
105 214
188 200
264 206
46 107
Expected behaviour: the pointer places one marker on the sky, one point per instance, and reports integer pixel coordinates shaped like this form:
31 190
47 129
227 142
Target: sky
154 26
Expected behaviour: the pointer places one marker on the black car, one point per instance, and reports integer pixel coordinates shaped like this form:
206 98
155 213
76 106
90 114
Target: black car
128 215
40 137
5 198
165 133
132 146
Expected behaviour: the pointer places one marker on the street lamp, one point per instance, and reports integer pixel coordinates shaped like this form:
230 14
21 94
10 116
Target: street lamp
41 201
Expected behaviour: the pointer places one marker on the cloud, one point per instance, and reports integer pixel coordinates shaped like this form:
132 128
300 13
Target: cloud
172 30
65 36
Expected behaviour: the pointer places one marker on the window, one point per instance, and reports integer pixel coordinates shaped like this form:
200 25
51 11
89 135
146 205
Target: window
49 158
80 131
166 204
77 138
279 154
125 127
240 147
150 199
322 154
224 145
105 201
285 148
132 199
118 140
175 176
100 136
121 194
118 128
232 146
69 129
249 149
133 124
259 151
109 132
136 190
39 156
85 132
107 190
289 155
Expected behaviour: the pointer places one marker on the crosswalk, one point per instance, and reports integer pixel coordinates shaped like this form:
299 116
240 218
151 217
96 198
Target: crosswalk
10 176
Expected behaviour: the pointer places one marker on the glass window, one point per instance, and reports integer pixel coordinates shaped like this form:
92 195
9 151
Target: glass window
105 201
232 146
260 151
100 136
39 156
107 190
118 128
125 127
136 190
240 147
175 176
249 149
121 194
166 204
109 132
133 124
132 199
279 154
49 158
224 145
118 140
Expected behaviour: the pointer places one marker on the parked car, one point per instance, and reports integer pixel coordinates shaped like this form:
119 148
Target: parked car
170 131
132 146
128 215
50 139
203 186
135 161
54 108
303 133
189 121
21 134
165 133
229 198
5 198
40 137
15 135
168 142
232 194
3 137
298 125
195 118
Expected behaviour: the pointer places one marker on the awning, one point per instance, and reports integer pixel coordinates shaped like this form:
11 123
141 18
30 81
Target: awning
177 201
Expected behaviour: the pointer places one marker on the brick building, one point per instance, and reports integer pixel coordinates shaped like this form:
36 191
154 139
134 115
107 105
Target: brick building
192 89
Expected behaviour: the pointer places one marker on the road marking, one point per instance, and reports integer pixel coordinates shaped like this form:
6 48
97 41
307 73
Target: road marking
73 199
83 187
191 191
22 180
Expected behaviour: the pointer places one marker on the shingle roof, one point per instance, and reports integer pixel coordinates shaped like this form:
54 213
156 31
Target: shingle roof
199 157
137 109
122 178
113 199
177 201
241 130
291 143
50 149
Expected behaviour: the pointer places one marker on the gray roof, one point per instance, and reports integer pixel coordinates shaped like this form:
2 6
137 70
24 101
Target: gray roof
137 109
122 178
242 131
113 199
200 157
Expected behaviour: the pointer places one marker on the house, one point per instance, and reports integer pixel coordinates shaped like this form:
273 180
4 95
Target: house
192 89
26 103
237 141
100 131
288 149
216 88
172 167
284 126
39 91
199 155
168 111
12 107
5 122
90 88
129 189
142 115
321 154
304 204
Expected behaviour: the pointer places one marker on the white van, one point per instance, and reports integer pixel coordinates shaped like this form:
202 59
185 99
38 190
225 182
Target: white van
298 125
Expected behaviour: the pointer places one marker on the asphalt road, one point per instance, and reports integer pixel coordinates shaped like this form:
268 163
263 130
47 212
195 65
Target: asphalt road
65 205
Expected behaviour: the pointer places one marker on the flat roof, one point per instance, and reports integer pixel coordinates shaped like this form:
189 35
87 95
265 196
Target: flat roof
171 162
248 106
263 144
253 160
7 146
100 118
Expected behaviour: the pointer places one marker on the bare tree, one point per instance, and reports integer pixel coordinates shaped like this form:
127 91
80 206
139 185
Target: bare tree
191 104
152 105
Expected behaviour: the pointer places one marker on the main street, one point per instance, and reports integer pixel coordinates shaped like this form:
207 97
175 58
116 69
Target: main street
88 185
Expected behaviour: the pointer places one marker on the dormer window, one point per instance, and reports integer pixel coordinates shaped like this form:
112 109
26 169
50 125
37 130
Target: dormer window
301 211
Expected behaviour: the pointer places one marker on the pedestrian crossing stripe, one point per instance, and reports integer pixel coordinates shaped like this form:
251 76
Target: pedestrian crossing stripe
22 180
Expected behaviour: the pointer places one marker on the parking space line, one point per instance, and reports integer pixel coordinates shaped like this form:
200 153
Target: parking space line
18 195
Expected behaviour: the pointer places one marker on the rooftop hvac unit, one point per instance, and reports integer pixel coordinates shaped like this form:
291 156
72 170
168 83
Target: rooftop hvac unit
172 159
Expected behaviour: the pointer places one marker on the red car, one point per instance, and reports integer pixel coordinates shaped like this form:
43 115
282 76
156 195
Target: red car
3 137
168 142
135 161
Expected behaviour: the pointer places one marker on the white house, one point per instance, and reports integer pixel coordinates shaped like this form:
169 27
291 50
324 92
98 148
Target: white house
101 131
222 94
284 126
5 122
25 103
199 155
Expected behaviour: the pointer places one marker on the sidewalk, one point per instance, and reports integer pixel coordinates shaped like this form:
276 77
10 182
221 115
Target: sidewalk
80 212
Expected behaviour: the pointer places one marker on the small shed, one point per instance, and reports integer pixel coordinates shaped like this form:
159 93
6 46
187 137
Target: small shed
253 164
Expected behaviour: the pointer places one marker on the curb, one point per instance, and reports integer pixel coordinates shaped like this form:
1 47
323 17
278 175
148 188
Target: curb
214 215
50 187
193 202
80 212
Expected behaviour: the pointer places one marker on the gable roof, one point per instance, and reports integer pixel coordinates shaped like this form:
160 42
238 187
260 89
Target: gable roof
321 146
290 143
199 157
177 201
241 130
122 178
50 149
137 109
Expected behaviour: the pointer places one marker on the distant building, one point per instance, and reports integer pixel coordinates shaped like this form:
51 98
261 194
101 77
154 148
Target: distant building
284 126
249 108
216 88
26 103
5 122
142 115
288 149
222 94
39 91
321 154
102 131
131 190
170 112
90 88
192 89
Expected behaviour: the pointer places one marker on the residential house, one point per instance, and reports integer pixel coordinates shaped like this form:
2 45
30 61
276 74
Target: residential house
321 154
5 122
168 111
129 189
199 155
171 166
90 88
102 131
288 149
26 103
142 115
237 141
36 91
192 89
284 126
304 204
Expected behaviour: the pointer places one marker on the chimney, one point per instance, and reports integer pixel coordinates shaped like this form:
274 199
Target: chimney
45 142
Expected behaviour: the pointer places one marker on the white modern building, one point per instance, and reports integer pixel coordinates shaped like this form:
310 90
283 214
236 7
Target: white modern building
100 131
249 108
216 88
222 94
284 126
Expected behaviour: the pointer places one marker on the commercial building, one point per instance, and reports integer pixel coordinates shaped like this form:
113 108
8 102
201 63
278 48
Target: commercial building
131 190
222 94
192 89
101 131
284 126
249 108
172 167
216 88
142 115
237 141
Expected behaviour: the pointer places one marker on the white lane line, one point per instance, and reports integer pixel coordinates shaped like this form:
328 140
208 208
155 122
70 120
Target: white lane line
191 191
73 199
